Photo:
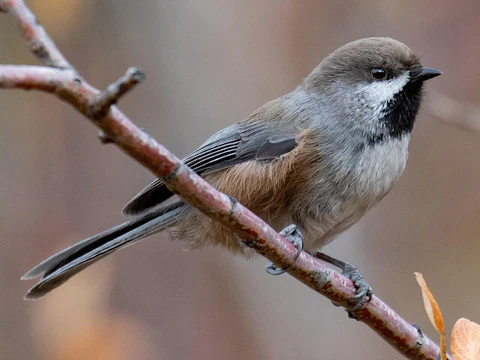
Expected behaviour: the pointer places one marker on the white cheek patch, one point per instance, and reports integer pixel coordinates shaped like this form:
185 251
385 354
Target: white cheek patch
378 93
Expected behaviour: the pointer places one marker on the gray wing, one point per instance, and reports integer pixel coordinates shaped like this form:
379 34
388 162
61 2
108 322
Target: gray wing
231 146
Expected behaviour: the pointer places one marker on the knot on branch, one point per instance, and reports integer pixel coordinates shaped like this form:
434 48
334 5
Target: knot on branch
104 138
100 106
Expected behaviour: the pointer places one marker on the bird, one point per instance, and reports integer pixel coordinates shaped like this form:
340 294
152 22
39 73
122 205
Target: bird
310 163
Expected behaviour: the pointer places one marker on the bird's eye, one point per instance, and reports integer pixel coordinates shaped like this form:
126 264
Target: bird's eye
378 73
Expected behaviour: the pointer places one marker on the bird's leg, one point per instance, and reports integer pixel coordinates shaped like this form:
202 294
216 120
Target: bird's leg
294 235
364 290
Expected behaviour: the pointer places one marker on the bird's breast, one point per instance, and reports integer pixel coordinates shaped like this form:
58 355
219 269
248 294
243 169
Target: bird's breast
379 166
350 188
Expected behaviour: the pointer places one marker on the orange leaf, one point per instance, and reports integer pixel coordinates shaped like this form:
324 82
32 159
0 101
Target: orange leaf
465 340
433 312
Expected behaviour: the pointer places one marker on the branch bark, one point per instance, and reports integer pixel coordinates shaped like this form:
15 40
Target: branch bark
101 106
61 79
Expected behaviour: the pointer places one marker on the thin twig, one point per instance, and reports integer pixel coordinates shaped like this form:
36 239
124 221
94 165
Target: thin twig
101 105
40 44
70 87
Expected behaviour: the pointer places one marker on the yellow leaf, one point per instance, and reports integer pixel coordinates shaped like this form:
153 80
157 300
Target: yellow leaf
433 312
465 340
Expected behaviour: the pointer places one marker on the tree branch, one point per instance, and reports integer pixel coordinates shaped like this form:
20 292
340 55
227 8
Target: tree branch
40 44
63 81
101 105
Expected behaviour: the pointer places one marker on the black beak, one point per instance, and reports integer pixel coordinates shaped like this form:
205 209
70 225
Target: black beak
425 74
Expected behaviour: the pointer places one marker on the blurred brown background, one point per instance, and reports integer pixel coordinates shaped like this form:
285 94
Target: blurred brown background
209 64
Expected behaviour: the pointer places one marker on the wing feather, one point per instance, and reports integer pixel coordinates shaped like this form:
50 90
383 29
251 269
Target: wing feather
231 146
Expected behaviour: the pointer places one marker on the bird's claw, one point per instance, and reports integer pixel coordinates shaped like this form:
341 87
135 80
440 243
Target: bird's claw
294 235
364 291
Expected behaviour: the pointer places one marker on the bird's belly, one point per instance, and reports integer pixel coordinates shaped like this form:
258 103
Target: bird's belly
325 226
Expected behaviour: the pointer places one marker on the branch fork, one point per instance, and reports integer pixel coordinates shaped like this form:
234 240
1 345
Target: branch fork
102 103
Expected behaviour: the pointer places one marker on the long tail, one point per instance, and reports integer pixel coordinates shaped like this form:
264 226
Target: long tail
60 267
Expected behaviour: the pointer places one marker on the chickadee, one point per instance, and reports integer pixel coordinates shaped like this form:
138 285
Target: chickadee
318 157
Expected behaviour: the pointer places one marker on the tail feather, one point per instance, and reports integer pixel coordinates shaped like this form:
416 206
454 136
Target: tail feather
60 267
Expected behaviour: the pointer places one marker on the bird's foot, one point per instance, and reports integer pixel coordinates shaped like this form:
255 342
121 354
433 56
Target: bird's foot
294 235
364 291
